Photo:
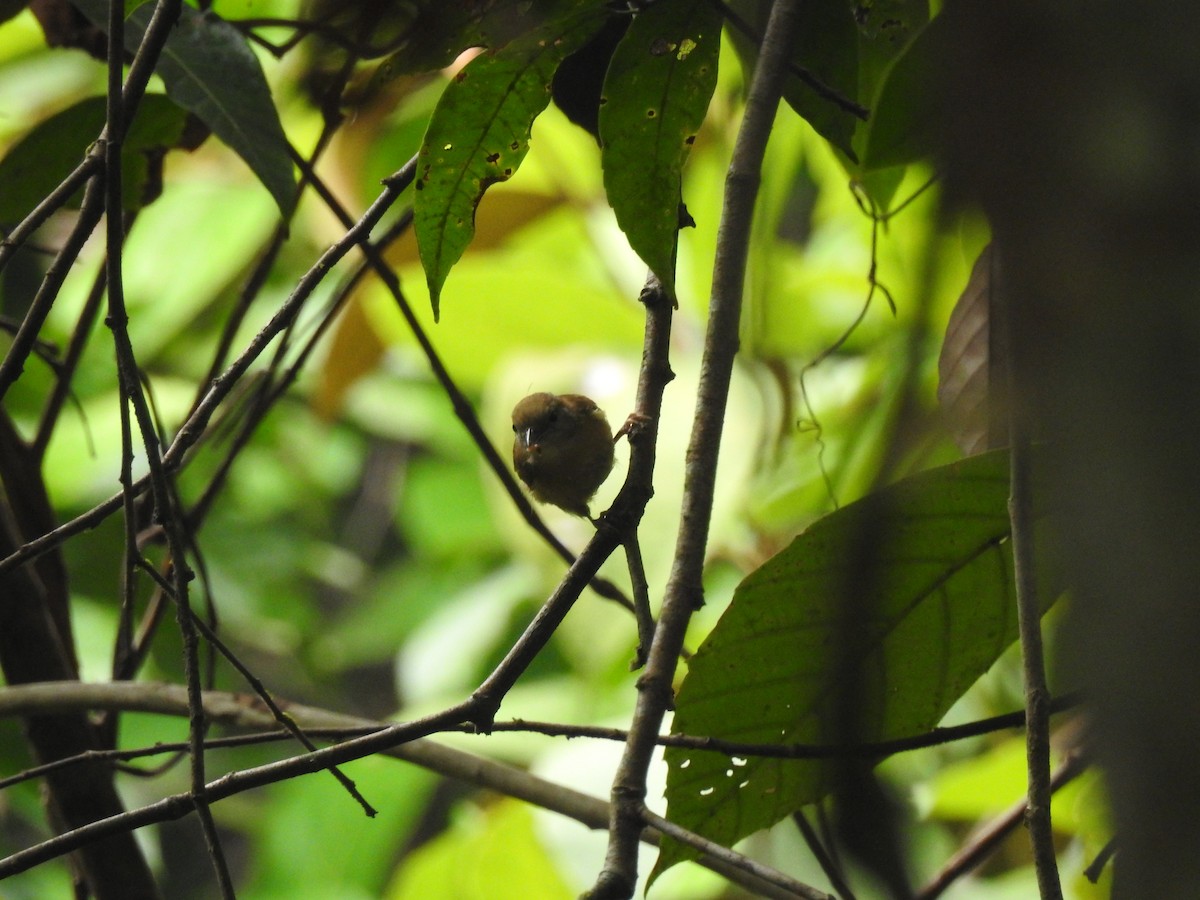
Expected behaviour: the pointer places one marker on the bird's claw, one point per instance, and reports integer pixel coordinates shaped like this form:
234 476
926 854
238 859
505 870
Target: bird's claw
633 427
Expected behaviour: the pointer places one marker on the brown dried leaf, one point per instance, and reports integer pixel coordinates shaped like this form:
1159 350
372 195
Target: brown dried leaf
970 372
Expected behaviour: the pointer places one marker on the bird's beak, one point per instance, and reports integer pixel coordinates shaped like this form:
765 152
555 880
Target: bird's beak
526 438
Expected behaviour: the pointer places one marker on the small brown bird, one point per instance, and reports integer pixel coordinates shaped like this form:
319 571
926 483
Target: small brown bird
563 449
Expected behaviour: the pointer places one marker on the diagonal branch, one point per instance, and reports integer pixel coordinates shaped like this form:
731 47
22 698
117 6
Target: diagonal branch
241 713
684 591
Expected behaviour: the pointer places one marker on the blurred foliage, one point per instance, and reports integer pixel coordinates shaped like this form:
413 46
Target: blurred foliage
361 557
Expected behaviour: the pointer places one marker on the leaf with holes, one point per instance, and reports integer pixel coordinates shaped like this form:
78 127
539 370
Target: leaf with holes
210 71
479 134
655 96
903 126
931 614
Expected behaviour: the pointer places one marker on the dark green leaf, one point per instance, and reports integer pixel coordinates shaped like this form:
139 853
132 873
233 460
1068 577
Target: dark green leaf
479 134
50 151
209 70
430 34
827 48
901 130
885 28
655 96
939 613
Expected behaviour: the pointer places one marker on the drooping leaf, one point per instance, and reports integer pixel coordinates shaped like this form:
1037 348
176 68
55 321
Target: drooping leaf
50 151
422 35
885 29
479 134
655 96
938 614
826 47
579 82
209 70
970 373
902 125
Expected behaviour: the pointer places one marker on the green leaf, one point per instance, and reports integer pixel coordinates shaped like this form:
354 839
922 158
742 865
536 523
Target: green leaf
430 34
209 70
939 613
826 47
902 126
479 134
50 151
494 855
885 28
320 815
655 96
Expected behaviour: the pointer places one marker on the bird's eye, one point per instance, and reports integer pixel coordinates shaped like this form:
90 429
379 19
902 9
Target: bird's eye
514 428
553 417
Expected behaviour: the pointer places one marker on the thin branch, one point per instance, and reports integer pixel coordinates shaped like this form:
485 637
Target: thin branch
786 885
614 525
239 711
872 750
23 342
824 859
195 427
684 591
1096 867
641 600
458 400
819 87
264 696
180 805
486 699
86 170
1029 611
118 112
65 373
972 854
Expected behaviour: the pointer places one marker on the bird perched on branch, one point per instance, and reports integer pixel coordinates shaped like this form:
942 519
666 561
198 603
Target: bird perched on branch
563 449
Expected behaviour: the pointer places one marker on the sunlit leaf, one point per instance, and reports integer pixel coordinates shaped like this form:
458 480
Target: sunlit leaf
479 135
939 615
9 8
495 857
209 70
51 150
655 96
319 815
